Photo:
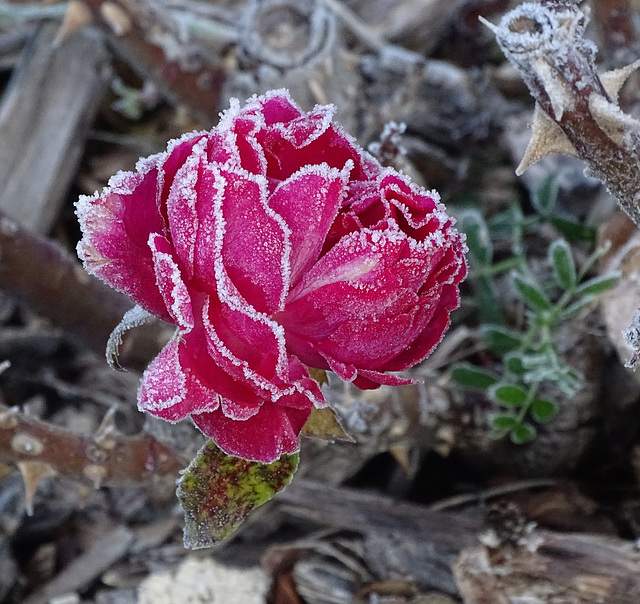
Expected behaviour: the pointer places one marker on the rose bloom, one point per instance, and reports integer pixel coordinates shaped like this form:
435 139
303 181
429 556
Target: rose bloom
274 243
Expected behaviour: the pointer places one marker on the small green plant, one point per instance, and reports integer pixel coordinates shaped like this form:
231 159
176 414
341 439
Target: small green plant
529 356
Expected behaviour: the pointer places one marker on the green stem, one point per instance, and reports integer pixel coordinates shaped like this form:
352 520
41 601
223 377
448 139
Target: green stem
531 395
501 267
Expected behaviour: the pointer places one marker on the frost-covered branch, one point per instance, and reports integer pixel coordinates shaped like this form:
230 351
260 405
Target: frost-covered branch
576 108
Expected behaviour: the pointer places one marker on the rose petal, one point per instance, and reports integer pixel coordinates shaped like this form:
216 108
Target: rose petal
253 349
116 225
264 437
240 235
170 392
170 284
309 201
365 302
181 204
276 106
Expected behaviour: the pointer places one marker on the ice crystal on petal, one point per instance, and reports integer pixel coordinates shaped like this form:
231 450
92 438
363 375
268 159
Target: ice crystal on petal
274 243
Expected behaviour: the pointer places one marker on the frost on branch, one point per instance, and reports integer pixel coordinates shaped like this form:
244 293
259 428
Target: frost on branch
631 336
576 109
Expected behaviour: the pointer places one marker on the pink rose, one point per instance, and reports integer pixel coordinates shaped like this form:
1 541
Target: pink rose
273 242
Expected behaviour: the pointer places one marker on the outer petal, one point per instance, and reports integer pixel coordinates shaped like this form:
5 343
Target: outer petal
184 380
181 206
252 348
276 106
170 284
116 225
431 334
255 244
171 392
264 437
291 142
368 301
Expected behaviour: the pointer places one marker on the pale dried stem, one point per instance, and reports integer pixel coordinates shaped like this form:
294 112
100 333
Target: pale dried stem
138 32
545 42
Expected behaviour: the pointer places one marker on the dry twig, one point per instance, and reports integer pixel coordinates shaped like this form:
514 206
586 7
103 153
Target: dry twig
576 109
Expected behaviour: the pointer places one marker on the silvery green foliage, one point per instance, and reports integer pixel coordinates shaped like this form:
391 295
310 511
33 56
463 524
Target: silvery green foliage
530 359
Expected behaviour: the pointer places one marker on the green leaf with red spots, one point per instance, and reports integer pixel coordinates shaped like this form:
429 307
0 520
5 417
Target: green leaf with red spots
218 491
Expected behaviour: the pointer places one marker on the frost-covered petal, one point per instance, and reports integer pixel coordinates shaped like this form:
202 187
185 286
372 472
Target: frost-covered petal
170 284
431 333
290 142
366 302
419 207
168 163
171 392
244 344
116 225
181 206
303 130
308 201
275 106
255 245
264 437
241 235
253 349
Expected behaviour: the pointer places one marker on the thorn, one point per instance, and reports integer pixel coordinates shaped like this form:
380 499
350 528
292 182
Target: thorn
613 80
33 473
401 453
106 430
116 17
96 474
611 119
9 417
491 26
559 93
77 16
546 138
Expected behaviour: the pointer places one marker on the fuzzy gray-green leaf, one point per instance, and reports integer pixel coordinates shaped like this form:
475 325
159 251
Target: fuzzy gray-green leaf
522 434
470 376
564 268
598 285
499 339
475 228
531 293
543 411
508 395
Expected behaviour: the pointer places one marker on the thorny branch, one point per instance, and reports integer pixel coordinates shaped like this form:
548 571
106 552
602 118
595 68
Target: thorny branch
106 457
576 109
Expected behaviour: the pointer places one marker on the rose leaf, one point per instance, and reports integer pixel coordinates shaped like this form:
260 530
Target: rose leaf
218 491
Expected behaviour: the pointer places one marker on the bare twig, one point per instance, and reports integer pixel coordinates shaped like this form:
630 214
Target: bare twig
576 109
107 457
138 32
